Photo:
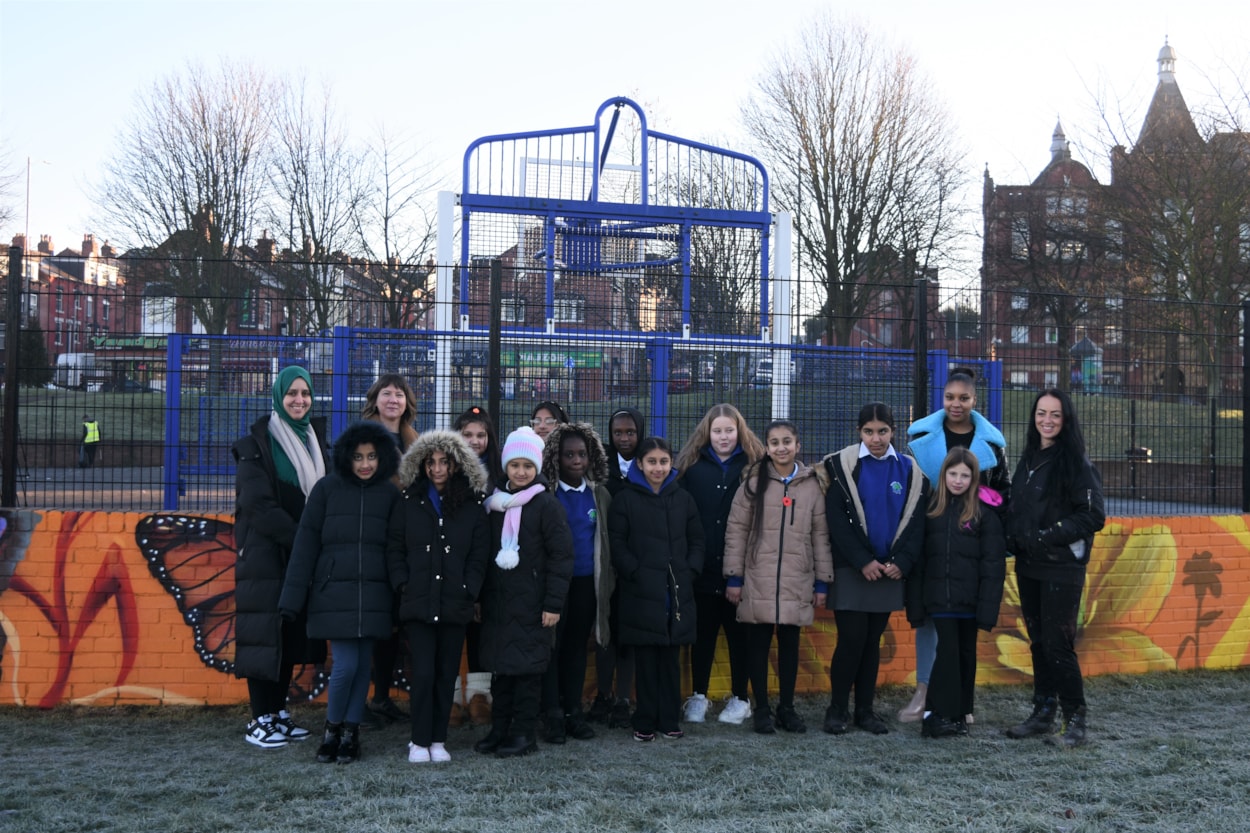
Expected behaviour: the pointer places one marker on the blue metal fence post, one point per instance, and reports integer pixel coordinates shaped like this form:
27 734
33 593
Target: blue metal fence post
660 353
340 381
994 383
938 367
172 453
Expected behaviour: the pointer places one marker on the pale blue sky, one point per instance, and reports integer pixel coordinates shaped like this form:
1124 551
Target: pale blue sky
453 71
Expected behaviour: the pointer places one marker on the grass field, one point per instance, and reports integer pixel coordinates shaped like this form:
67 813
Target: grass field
1168 754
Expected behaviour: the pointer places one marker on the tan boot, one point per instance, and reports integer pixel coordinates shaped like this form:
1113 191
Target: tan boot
913 712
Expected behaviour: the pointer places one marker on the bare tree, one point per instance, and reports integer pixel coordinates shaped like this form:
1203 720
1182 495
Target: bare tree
10 177
319 188
187 181
396 227
862 153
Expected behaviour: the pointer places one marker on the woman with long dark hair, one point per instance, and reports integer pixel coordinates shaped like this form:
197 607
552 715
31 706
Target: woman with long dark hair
1056 508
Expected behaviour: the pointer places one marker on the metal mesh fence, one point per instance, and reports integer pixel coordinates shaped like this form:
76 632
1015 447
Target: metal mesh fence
1159 397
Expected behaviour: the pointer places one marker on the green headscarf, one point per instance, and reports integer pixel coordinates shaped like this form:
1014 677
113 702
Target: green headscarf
281 463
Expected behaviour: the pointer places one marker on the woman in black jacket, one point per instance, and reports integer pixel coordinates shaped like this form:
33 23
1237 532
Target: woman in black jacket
958 585
1056 508
279 461
657 550
437 553
874 505
338 574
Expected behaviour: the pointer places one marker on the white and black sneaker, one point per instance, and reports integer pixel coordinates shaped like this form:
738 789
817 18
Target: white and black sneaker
263 733
288 727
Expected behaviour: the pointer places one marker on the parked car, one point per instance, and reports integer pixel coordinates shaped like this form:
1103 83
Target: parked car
680 381
126 385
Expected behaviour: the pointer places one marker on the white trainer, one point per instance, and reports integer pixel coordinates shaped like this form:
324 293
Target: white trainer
695 710
735 711
439 753
263 733
418 754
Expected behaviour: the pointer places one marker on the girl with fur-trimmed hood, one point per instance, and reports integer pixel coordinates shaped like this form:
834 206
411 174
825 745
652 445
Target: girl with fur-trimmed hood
338 573
437 552
575 467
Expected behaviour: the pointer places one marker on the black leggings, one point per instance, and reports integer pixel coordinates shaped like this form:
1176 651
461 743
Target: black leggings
565 678
269 696
856 659
760 640
712 613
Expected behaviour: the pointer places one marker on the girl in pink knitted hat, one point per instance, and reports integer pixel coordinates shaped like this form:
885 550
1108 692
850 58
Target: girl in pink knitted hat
524 594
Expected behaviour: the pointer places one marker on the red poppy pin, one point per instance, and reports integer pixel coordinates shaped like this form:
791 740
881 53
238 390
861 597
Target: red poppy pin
787 501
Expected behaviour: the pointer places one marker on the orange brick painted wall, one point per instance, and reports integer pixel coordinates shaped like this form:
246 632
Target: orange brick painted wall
87 616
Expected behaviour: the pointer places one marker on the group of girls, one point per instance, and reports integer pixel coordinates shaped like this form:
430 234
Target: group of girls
558 538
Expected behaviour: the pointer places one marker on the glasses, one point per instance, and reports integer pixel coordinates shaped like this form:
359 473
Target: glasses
537 421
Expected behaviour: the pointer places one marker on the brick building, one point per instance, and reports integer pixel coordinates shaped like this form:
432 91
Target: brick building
1125 285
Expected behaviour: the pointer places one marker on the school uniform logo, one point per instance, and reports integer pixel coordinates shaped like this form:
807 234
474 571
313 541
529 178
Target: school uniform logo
896 487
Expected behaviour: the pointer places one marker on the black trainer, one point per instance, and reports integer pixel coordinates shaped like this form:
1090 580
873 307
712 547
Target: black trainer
576 727
871 722
788 719
936 726
836 721
764 721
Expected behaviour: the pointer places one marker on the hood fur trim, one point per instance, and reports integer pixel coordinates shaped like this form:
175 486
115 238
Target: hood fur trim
451 444
366 432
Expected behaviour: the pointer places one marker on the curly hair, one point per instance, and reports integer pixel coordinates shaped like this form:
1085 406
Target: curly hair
596 471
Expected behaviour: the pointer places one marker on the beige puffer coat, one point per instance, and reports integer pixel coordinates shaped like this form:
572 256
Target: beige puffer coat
781 564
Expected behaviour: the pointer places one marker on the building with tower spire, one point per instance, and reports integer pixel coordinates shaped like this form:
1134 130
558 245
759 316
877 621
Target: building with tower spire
1074 270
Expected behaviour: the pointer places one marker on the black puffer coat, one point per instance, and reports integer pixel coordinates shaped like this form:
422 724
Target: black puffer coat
267 513
962 570
1044 524
713 487
514 640
338 564
657 550
438 562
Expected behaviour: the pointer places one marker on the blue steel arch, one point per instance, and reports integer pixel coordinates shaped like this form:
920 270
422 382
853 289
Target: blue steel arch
560 176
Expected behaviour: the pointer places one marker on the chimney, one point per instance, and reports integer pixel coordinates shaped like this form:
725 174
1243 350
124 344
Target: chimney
107 251
45 244
264 247
88 245
19 240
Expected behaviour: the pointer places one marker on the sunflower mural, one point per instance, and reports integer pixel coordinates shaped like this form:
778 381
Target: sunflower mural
104 608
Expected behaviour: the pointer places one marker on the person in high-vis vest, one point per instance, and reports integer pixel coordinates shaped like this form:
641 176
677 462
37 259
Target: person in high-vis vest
90 442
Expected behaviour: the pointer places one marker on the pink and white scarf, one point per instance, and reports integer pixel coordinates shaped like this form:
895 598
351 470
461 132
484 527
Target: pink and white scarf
510 503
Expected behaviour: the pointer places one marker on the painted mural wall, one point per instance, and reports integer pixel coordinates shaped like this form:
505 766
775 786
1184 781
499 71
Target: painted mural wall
108 608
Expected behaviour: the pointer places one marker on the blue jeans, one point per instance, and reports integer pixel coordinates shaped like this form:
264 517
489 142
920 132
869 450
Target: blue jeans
349 679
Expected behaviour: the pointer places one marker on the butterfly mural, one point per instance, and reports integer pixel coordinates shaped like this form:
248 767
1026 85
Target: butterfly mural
193 559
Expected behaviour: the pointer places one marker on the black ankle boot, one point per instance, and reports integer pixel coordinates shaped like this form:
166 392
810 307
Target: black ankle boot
1040 722
516 746
329 748
1073 732
492 741
349 749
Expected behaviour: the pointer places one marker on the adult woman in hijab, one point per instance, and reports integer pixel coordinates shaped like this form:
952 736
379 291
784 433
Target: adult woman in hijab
279 461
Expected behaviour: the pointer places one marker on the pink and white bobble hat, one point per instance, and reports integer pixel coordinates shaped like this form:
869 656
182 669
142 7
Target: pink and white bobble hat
524 444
